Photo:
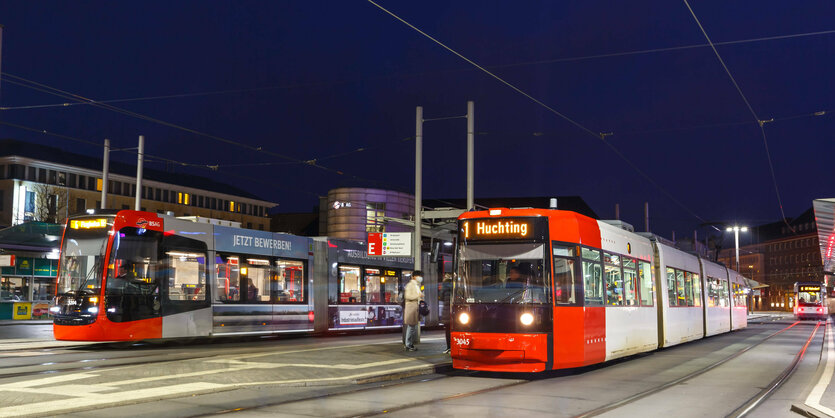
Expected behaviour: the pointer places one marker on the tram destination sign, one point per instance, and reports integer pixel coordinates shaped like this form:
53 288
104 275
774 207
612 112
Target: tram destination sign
808 288
501 229
389 243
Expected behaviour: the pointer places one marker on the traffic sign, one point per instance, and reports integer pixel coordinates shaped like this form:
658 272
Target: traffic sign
390 243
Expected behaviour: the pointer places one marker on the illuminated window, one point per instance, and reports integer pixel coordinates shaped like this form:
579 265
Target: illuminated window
374 218
231 206
186 199
98 184
180 198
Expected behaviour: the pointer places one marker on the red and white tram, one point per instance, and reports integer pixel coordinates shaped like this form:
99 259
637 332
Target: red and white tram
130 275
810 301
542 289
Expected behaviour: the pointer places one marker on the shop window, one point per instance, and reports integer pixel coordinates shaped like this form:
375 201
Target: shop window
43 288
14 289
349 285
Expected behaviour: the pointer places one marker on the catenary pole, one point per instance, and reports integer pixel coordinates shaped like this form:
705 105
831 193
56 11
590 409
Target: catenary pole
416 244
104 173
470 153
139 172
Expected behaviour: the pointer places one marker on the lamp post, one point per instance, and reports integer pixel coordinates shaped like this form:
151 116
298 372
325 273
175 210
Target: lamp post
736 230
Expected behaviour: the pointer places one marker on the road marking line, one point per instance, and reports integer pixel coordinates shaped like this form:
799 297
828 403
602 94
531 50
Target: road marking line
47 380
814 398
102 400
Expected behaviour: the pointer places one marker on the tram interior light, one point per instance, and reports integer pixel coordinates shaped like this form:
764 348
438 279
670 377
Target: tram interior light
526 318
94 299
464 318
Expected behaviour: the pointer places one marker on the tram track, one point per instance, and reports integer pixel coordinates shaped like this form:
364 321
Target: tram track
747 407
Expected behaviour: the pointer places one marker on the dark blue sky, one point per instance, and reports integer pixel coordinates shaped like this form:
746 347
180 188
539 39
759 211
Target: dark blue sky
329 77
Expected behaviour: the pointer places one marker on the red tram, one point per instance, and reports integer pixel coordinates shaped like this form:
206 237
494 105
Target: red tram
545 289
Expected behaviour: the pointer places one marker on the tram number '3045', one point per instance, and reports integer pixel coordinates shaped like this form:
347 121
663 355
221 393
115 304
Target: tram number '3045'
462 341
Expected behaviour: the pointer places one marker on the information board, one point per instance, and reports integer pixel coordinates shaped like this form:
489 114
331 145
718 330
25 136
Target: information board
389 243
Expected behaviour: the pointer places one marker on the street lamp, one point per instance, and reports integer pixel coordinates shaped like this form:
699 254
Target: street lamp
736 230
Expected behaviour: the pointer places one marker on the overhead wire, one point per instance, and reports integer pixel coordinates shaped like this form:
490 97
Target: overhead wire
599 135
149 157
750 108
61 93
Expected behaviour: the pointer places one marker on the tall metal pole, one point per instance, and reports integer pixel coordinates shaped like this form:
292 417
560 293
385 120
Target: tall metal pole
736 245
105 171
646 216
139 172
470 152
418 185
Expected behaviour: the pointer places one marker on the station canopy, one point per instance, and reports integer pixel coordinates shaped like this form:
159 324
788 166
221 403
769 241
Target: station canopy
825 222
31 236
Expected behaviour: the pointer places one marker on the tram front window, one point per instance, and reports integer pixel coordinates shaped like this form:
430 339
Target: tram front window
509 273
132 290
81 257
808 298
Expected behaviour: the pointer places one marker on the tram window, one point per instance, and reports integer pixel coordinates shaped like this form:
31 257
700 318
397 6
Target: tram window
630 288
646 284
614 286
564 281
681 299
258 273
228 279
289 284
391 287
697 290
688 287
349 285
593 255
592 283
186 275
373 293
671 287
132 290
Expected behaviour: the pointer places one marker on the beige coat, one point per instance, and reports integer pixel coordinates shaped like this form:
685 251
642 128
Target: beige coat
412 295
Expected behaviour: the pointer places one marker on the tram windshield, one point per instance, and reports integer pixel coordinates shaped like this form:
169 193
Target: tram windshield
809 298
82 255
503 273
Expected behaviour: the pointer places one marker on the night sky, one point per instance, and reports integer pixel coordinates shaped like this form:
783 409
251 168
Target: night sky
319 79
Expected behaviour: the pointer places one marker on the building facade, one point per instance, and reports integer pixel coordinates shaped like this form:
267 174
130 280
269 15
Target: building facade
43 186
780 255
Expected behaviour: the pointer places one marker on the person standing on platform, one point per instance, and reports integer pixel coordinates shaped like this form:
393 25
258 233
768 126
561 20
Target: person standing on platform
412 295
446 298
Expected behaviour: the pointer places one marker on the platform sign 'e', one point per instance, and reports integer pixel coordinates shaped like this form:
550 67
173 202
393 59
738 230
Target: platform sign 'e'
390 243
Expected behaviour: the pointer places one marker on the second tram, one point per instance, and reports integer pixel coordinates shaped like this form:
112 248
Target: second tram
810 301
542 289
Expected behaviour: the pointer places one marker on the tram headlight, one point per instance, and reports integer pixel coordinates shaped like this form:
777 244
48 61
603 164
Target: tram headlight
526 318
55 309
93 310
464 318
